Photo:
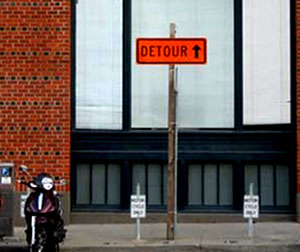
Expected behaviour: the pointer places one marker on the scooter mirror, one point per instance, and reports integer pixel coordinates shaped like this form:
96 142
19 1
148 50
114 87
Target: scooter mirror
23 168
32 185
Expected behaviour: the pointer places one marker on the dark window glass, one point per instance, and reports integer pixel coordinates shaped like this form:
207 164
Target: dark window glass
98 184
271 183
210 185
153 182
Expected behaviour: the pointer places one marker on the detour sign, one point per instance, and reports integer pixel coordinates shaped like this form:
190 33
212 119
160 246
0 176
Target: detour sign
171 51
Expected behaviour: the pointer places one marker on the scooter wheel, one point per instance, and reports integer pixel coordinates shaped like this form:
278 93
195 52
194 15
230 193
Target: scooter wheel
41 237
57 248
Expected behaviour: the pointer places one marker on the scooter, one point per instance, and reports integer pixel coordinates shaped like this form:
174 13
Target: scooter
43 213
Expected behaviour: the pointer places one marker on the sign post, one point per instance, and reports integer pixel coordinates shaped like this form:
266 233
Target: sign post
171 51
176 152
251 209
171 147
138 209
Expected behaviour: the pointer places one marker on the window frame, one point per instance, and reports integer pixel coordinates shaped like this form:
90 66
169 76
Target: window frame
204 206
238 75
162 165
259 143
91 205
274 164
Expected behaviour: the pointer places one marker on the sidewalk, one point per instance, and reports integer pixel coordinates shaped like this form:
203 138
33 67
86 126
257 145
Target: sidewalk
268 237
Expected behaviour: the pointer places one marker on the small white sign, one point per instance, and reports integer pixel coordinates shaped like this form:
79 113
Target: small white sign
6 180
138 206
251 206
23 199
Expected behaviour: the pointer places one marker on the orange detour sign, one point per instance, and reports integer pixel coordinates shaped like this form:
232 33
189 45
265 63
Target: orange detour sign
171 51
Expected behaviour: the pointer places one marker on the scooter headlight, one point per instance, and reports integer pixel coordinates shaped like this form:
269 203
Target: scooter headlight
47 183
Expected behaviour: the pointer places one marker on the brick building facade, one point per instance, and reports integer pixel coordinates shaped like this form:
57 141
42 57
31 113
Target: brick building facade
35 74
37 99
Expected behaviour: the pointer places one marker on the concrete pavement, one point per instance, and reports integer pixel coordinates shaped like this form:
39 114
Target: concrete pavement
268 237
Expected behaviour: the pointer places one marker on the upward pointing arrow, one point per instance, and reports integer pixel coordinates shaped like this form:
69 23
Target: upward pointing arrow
196 48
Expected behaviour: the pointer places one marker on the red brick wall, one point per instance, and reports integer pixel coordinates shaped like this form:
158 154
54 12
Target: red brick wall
35 66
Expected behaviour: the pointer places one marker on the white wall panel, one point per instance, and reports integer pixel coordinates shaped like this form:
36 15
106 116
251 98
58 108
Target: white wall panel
266 54
99 64
205 92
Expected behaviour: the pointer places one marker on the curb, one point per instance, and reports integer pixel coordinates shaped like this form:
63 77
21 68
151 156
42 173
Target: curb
252 248
167 248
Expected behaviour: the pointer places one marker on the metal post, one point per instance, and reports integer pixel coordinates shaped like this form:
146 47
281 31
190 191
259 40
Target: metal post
176 151
250 220
171 146
138 220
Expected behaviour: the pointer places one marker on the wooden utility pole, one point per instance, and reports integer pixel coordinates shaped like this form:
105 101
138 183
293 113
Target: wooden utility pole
158 51
171 147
